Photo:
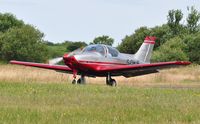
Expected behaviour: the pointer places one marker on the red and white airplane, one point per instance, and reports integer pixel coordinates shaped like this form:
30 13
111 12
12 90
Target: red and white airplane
105 61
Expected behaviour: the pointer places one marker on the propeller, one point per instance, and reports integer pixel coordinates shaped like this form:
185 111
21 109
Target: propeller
77 51
55 60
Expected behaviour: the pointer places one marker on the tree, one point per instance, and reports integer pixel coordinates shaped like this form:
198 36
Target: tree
24 43
193 45
192 20
162 34
171 50
103 40
130 44
8 21
56 50
75 45
174 17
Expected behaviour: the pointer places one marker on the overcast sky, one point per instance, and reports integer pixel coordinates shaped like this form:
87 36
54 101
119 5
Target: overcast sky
83 20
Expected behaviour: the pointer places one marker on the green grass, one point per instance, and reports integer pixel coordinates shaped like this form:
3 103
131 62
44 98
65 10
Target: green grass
65 103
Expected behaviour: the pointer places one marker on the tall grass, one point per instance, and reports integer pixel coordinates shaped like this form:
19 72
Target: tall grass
184 76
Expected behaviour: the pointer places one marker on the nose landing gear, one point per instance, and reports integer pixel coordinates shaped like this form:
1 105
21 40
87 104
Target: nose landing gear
74 81
74 76
81 80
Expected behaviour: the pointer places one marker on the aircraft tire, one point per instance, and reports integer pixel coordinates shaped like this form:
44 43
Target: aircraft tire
113 82
74 81
79 81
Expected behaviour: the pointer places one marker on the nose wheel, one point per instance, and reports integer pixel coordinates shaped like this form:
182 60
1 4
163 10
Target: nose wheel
110 81
81 80
74 81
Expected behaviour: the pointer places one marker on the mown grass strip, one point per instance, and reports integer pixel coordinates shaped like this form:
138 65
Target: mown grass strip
66 103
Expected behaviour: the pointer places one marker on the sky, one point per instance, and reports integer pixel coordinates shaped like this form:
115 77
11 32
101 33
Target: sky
83 20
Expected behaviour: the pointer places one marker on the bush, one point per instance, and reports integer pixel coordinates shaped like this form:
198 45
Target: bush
75 45
130 44
193 49
8 21
24 44
172 50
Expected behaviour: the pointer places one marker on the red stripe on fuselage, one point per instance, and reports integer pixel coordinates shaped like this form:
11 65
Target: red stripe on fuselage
106 63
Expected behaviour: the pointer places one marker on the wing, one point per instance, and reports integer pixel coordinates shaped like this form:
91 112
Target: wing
152 66
45 66
135 70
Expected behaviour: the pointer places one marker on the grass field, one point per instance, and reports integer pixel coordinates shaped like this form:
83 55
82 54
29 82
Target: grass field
29 95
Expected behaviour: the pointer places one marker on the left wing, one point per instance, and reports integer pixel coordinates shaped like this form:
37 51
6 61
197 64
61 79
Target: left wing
41 65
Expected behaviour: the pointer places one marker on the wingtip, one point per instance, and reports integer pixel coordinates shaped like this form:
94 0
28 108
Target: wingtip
12 61
183 62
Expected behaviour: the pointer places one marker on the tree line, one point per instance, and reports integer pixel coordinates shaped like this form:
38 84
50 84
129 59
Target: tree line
20 41
175 40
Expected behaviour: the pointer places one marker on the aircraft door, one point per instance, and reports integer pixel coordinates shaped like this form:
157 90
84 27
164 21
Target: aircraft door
112 55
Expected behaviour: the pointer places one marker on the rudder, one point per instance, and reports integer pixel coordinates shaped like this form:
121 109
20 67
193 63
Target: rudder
145 51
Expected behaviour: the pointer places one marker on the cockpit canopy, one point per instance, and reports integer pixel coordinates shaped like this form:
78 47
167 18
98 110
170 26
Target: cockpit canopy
112 52
95 48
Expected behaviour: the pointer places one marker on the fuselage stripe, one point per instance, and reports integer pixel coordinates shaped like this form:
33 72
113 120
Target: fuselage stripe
106 63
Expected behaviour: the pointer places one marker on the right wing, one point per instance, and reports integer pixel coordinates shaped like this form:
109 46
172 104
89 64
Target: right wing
151 66
45 66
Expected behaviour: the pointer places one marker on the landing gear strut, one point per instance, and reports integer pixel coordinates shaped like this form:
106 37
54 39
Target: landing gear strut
74 76
110 81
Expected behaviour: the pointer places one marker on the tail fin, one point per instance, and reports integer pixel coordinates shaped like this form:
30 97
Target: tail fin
144 53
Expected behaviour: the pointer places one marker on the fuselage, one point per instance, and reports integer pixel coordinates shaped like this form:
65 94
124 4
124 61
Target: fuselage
92 55
101 54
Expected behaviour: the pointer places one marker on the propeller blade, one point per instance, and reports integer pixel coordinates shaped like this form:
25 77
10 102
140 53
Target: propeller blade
55 60
77 51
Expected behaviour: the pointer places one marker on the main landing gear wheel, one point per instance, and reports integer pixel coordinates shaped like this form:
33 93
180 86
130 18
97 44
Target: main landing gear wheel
110 81
113 82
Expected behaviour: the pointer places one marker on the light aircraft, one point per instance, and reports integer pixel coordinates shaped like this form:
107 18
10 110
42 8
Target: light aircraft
105 61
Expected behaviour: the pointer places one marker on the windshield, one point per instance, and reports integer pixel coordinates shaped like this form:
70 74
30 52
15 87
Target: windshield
95 48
